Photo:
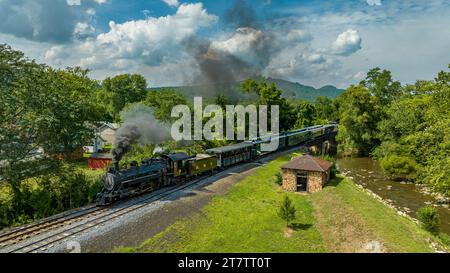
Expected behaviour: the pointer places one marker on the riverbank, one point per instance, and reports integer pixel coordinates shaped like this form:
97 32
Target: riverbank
406 197
340 218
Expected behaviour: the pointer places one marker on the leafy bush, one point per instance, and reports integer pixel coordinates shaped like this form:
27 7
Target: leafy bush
399 166
279 179
387 148
138 153
445 238
46 195
437 174
429 218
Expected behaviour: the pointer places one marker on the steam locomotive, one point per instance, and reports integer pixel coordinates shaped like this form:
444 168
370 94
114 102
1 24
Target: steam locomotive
177 168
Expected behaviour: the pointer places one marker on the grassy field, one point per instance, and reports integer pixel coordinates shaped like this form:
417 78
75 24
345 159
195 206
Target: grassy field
350 220
341 218
82 165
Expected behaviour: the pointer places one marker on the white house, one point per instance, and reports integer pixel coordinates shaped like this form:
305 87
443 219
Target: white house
107 132
98 145
104 135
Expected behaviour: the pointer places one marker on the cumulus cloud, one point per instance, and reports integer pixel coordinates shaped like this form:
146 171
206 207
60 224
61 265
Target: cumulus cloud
374 2
44 20
347 43
299 35
172 3
73 2
302 62
83 30
55 52
151 41
248 44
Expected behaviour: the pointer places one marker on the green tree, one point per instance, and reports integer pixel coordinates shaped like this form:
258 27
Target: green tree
271 95
287 210
222 101
381 85
121 90
304 114
323 110
360 114
42 112
71 106
417 127
163 101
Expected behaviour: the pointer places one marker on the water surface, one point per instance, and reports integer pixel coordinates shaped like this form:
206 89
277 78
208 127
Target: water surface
407 197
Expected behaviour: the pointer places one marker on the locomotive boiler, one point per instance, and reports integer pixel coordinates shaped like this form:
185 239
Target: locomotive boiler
151 175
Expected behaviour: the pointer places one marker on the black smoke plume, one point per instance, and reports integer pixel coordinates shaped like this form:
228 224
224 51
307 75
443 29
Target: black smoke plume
220 69
241 14
139 127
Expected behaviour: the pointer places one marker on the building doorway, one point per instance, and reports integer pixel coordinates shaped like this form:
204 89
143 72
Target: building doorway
302 182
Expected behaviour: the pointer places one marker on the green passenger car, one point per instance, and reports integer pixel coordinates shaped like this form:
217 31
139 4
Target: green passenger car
234 154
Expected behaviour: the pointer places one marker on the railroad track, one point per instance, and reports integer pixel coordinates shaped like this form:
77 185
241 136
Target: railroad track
46 242
16 235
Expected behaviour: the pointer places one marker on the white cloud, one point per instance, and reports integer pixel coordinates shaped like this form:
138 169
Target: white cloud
172 3
44 20
54 53
73 2
374 2
83 30
91 12
347 43
299 35
302 63
149 41
247 44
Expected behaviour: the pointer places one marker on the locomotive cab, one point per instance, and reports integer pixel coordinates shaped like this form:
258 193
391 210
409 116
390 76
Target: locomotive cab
177 163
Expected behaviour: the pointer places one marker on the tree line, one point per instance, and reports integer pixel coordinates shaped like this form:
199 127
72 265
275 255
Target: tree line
406 127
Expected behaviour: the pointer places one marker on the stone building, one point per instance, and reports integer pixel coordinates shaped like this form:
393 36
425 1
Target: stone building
306 174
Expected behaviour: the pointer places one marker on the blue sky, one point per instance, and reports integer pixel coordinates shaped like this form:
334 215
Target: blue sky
176 42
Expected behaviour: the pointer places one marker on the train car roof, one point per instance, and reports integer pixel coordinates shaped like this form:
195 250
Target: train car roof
178 156
237 146
201 156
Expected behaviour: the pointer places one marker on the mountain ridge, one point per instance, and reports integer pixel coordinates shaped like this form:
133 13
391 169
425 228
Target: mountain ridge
291 90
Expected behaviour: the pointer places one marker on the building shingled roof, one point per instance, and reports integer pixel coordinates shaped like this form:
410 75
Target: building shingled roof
308 163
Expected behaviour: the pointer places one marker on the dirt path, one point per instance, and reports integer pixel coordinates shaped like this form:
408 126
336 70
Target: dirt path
342 230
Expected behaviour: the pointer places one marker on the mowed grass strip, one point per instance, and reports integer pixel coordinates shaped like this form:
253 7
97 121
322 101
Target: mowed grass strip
374 221
243 220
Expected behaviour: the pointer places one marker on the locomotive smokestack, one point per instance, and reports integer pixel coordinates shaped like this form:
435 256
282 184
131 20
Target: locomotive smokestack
116 165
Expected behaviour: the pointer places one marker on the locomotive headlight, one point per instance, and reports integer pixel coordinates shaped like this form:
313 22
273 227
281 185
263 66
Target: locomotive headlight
109 181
